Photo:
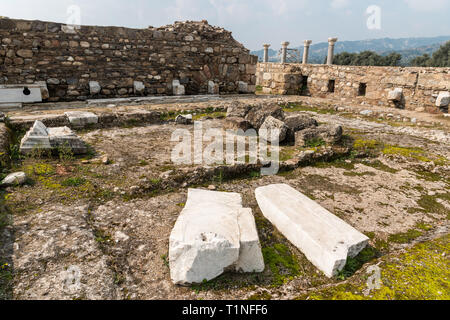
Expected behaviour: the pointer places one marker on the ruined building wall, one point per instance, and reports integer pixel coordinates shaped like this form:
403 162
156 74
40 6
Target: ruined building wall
421 86
194 53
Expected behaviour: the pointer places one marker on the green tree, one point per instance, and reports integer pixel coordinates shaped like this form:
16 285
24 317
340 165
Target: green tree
421 61
441 58
367 58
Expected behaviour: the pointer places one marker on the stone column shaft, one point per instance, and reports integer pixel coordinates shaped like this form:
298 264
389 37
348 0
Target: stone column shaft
284 47
266 53
307 43
331 43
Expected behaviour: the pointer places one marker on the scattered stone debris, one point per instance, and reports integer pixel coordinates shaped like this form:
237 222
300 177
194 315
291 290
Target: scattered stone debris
213 233
299 128
39 137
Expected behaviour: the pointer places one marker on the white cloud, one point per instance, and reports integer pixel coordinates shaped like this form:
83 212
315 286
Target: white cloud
427 5
338 4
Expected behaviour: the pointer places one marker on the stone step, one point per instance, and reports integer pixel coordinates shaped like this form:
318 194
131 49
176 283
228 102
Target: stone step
213 234
326 240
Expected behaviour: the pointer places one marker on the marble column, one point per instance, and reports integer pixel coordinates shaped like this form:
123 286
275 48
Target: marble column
266 52
284 47
331 43
307 43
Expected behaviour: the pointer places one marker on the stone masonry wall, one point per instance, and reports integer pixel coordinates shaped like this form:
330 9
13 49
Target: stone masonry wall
421 86
194 53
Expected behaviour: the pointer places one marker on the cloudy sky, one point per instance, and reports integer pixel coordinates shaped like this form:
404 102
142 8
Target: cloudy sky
254 22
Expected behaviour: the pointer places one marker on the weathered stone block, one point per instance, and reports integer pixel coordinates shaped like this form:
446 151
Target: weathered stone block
443 100
178 89
238 110
243 87
211 233
250 255
273 130
139 87
396 95
213 88
300 122
43 138
25 53
329 133
94 87
326 240
237 123
17 178
257 115
184 119
81 118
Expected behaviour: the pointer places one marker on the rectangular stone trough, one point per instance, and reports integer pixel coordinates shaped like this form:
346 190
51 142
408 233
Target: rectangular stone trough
213 234
326 240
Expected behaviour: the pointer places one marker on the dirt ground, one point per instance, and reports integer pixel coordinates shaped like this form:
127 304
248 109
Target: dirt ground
83 228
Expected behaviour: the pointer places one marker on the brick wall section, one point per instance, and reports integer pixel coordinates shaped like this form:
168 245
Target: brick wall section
421 86
192 52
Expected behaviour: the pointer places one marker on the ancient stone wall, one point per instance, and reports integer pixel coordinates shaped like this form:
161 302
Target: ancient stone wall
125 62
421 86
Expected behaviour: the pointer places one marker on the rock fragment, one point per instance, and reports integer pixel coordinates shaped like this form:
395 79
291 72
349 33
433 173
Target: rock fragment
17 178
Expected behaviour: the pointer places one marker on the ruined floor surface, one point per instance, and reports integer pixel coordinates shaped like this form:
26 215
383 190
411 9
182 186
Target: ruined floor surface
83 230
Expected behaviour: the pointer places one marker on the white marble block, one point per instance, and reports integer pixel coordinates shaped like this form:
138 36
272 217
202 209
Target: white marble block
208 237
250 255
81 118
326 240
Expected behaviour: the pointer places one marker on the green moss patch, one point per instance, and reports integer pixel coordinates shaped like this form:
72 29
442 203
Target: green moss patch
377 164
74 182
354 264
260 296
414 153
420 273
405 237
281 262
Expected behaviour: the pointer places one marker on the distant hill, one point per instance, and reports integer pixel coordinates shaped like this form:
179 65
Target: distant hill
409 48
